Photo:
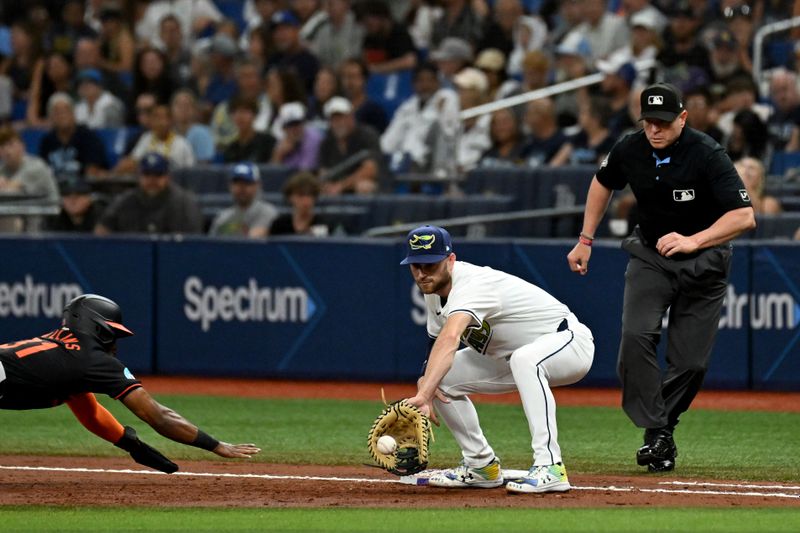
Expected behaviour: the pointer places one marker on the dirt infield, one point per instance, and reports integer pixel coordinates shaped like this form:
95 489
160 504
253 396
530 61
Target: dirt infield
237 484
80 481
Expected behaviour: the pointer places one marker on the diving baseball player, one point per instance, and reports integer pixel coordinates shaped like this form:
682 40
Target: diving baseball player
71 363
517 337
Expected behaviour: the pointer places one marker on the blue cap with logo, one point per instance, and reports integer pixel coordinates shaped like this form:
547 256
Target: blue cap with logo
427 244
154 164
245 172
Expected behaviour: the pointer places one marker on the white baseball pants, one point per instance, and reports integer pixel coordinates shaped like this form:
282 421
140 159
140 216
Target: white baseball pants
552 360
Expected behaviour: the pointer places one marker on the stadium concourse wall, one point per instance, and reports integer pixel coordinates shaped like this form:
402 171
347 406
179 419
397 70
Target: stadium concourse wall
345 309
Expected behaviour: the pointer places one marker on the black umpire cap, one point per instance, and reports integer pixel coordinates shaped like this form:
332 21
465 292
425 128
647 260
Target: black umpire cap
661 101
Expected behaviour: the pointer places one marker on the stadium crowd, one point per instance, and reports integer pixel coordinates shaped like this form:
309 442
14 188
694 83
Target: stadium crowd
93 91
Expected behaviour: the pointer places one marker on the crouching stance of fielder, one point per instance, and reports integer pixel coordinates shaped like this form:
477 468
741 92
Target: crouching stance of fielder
71 363
517 336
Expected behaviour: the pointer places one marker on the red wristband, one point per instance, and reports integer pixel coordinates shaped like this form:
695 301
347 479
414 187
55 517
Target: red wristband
585 241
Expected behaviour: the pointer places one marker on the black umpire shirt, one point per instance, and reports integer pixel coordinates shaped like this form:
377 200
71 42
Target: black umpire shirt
683 188
45 371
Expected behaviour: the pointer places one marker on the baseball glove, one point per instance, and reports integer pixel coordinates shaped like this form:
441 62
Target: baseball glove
412 431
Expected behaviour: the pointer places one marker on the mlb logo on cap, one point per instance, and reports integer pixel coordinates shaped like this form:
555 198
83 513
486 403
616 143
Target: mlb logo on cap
655 100
427 244
661 101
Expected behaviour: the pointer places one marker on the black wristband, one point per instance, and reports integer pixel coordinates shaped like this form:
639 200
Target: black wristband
205 441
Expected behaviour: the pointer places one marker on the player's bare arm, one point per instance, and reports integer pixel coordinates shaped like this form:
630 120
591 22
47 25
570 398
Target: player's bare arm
172 425
728 226
440 361
596 204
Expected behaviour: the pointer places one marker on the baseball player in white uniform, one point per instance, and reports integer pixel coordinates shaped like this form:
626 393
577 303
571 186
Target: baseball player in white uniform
517 337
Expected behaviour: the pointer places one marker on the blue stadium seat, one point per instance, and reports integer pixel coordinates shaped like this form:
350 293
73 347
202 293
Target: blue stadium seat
32 139
481 205
114 141
274 176
390 90
783 162
781 226
234 10
202 180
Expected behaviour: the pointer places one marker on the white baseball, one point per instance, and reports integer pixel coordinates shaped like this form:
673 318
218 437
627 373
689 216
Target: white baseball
387 444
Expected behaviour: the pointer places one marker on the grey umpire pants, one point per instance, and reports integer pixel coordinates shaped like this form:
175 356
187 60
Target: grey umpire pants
693 289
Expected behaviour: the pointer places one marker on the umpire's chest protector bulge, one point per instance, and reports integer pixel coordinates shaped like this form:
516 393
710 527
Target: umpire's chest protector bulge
684 188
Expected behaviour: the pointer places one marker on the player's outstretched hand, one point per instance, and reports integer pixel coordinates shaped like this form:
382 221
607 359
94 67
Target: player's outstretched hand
236 451
425 406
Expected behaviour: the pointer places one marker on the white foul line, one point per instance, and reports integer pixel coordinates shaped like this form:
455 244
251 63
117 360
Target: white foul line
734 485
374 480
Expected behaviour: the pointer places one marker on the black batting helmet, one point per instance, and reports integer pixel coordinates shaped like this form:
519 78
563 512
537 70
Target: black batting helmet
97 316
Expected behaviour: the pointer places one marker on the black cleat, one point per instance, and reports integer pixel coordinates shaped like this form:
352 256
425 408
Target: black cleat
658 452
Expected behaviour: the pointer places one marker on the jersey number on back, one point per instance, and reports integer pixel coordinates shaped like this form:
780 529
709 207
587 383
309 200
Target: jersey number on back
28 347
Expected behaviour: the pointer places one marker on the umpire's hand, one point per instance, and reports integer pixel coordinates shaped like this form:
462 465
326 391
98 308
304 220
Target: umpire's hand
578 258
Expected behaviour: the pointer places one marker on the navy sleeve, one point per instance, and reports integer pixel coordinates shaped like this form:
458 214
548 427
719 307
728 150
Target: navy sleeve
610 174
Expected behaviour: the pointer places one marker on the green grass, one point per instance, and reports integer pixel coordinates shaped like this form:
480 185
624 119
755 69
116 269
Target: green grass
712 444
390 520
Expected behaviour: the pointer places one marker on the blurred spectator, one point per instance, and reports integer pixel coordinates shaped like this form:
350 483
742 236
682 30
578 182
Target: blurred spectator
346 138
753 174
725 62
80 211
698 104
259 47
185 111
572 62
71 149
283 86
23 173
161 138
616 86
739 21
493 64
419 20
250 87
249 216
222 84
505 133
326 86
156 205
740 93
564 21
248 144
546 138
64 35
300 145
590 145
177 55
257 16
513 33
311 17
784 122
644 44
416 123
682 48
462 19
339 37
197 18
117 46
152 76
452 56
354 74
535 71
97 108
142 110
25 59
301 191
473 137
644 7
290 51
749 136
387 46
604 31
87 55
52 76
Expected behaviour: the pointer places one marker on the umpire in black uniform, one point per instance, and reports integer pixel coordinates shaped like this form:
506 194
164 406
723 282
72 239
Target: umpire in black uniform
691 204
